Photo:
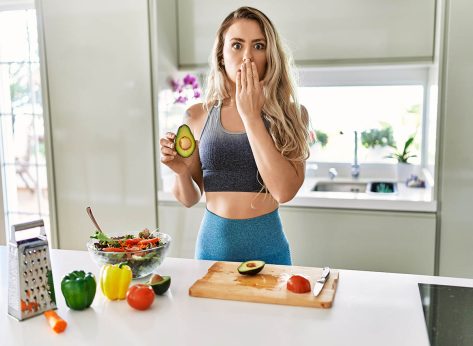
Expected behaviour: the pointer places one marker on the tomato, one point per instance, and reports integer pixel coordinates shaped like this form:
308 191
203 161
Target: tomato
298 284
140 296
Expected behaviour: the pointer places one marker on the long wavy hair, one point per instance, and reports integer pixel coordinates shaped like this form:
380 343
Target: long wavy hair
288 124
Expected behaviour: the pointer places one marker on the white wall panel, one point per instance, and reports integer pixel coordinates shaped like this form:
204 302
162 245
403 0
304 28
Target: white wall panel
456 158
99 90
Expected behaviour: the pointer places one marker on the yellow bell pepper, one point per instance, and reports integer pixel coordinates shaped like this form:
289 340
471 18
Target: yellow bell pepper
114 280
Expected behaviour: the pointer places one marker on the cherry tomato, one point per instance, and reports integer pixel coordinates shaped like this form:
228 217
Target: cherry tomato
140 296
298 284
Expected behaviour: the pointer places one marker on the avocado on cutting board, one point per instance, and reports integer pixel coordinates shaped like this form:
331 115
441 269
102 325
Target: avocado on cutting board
223 281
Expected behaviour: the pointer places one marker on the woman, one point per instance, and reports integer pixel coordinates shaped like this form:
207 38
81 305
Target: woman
252 144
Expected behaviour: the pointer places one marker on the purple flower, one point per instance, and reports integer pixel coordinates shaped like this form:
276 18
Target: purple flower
175 85
189 80
181 99
185 88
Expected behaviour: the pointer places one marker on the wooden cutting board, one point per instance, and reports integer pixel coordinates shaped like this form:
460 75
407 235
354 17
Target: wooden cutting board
223 281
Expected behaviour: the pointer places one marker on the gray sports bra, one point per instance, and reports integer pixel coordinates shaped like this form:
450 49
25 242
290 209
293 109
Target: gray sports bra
227 161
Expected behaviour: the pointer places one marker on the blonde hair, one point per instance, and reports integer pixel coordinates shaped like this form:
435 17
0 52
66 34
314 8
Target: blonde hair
288 124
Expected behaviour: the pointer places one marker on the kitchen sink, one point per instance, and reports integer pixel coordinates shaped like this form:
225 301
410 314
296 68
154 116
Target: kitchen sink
383 187
340 186
357 187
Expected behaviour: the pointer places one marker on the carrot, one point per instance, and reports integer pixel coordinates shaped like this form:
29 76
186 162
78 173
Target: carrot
132 248
55 321
113 249
149 241
133 241
24 306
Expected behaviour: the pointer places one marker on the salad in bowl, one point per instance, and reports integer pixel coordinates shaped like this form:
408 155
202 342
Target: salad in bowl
143 252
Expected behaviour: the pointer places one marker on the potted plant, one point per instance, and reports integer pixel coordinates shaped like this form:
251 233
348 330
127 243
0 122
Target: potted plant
321 137
377 141
378 137
402 157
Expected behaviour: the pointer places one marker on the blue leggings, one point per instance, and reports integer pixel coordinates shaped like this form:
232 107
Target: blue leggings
239 240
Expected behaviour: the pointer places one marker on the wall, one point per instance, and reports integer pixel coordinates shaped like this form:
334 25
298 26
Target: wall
98 87
456 159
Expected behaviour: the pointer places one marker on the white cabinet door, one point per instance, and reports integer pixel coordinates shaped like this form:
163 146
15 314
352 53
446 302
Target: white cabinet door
362 240
182 224
319 31
98 69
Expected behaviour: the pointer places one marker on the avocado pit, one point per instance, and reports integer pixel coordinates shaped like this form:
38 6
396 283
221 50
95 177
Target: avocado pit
185 143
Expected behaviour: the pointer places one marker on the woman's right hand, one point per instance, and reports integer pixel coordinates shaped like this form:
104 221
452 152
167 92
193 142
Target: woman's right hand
169 155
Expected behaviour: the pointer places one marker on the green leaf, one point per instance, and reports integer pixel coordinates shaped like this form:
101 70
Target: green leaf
100 236
408 144
405 155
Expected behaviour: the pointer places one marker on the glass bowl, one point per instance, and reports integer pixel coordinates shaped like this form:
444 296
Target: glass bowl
141 262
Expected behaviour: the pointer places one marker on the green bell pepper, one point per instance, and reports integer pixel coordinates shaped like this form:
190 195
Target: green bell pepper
79 289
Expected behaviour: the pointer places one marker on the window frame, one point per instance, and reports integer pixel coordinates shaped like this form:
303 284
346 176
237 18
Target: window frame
13 6
24 5
379 75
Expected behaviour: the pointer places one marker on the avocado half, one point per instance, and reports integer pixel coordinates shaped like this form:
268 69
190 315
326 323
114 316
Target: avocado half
185 141
251 267
159 284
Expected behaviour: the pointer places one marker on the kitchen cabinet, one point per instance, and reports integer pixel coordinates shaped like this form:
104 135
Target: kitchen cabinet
364 240
350 239
182 224
320 32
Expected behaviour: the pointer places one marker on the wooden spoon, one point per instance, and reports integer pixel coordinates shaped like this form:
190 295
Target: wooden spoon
89 212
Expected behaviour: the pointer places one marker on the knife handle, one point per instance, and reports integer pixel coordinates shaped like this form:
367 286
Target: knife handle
325 273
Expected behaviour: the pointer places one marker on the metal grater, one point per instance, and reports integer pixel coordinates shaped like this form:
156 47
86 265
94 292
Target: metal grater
30 280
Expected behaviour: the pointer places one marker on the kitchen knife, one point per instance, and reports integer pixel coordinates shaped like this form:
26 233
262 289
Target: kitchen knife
319 284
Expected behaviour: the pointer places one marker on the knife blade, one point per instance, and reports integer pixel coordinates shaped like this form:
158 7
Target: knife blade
319 284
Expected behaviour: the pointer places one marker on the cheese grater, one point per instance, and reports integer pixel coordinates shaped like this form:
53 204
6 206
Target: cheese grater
30 279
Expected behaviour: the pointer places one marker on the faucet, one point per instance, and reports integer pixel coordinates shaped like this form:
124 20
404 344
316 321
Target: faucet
332 173
355 167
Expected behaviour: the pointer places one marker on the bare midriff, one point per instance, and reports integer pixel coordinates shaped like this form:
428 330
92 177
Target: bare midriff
240 205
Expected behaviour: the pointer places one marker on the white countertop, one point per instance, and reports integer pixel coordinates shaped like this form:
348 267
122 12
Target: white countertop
369 309
407 199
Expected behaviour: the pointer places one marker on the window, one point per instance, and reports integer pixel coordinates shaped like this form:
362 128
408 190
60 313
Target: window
385 107
22 144
182 92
